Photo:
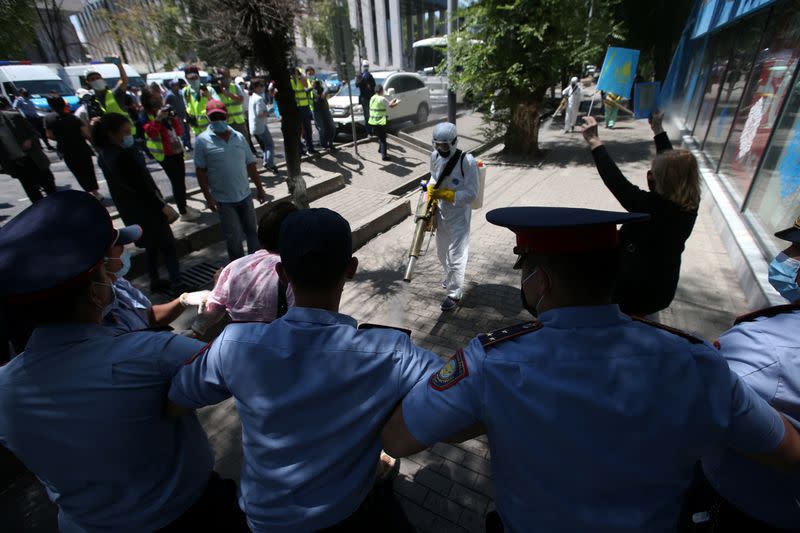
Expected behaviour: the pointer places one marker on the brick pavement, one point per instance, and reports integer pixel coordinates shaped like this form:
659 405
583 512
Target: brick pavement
450 487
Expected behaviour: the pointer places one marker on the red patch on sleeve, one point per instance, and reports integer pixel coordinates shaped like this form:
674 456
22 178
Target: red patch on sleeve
193 358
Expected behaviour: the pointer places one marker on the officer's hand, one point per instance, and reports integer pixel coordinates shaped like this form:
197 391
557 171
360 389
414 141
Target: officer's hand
590 132
441 194
261 196
26 145
655 121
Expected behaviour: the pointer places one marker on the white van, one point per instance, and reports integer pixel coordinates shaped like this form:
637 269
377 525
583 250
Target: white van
162 77
109 71
39 80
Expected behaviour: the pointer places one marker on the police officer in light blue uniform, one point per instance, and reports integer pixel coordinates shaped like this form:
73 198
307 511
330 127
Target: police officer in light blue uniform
131 310
763 349
83 409
311 389
594 420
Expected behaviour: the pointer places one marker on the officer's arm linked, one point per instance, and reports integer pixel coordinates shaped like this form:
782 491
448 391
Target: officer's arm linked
200 381
446 407
787 454
757 430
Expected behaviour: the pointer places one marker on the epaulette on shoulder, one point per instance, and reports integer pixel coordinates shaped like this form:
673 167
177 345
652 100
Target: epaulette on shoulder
367 325
680 333
158 329
767 312
503 334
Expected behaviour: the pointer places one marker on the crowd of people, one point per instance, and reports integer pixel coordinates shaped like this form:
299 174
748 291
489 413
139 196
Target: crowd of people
598 419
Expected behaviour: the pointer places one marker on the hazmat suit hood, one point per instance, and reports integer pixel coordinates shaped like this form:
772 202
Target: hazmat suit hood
445 134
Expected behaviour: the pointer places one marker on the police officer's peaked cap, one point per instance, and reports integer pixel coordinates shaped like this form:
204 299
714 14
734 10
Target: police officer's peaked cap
562 230
316 235
56 243
792 233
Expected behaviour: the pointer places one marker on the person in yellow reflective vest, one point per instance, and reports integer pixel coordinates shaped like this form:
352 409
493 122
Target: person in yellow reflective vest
109 101
378 110
300 88
311 77
163 133
196 96
230 95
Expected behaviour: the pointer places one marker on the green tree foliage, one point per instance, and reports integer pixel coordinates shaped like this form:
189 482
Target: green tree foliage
261 33
17 18
510 52
317 26
162 28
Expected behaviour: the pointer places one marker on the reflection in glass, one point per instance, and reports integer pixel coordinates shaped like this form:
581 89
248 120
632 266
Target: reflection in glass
775 198
764 95
749 37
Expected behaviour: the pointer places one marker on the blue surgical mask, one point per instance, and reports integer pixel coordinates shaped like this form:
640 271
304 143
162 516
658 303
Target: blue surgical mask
783 276
127 141
125 259
219 126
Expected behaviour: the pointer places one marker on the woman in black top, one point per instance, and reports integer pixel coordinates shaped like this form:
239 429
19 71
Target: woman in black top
651 252
136 195
71 134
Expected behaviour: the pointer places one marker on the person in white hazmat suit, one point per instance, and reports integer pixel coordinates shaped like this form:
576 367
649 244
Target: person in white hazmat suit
573 95
455 191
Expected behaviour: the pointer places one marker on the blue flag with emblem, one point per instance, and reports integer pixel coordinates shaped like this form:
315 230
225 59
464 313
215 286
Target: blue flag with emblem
646 99
619 69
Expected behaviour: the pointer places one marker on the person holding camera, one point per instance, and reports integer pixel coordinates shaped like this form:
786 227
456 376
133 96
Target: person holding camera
163 132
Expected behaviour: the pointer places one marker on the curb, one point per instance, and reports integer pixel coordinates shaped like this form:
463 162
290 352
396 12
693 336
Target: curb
380 221
429 123
205 234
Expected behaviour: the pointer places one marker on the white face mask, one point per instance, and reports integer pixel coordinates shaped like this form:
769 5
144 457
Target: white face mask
98 85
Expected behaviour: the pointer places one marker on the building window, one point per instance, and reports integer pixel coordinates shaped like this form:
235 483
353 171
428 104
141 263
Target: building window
766 90
748 37
716 65
775 198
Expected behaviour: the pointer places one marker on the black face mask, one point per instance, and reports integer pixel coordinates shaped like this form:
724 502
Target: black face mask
443 154
525 305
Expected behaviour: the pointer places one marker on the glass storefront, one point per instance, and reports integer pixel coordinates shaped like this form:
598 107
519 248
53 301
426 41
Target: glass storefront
740 98
766 91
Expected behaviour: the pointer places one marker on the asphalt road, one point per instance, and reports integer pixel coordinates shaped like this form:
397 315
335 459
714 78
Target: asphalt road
13 198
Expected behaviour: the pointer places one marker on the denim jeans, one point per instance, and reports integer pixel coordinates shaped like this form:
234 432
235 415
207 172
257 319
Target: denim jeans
267 146
238 221
305 120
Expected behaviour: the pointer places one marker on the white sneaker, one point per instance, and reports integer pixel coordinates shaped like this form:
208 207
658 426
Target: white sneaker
190 214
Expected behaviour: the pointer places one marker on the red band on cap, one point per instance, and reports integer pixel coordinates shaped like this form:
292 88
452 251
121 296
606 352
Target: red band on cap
568 240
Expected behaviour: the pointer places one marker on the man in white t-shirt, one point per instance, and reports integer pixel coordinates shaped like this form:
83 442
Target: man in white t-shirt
257 113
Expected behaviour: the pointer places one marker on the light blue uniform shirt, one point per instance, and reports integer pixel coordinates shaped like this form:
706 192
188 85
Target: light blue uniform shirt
594 421
312 392
226 163
765 353
83 410
130 310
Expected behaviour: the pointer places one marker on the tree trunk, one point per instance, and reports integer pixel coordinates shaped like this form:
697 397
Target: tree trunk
522 136
271 51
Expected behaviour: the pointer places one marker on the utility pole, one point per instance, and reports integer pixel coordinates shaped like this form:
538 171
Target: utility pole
451 95
343 50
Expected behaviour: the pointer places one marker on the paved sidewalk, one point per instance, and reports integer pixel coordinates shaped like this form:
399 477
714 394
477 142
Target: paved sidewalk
450 487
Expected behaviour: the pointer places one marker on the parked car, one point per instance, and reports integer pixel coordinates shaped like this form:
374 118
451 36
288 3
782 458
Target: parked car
40 80
109 71
409 88
331 81
161 77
